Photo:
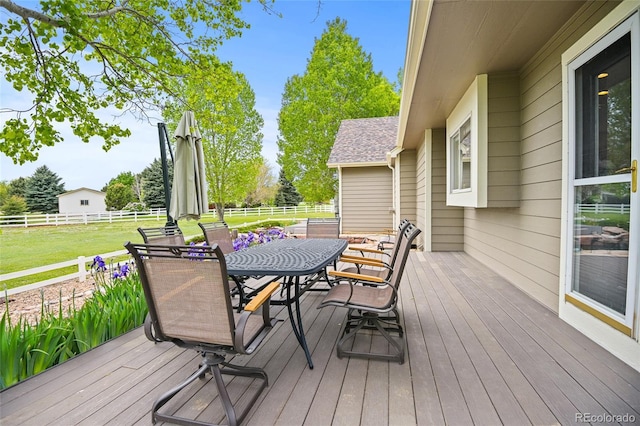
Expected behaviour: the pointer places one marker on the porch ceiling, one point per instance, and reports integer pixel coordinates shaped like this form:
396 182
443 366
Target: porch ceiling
450 42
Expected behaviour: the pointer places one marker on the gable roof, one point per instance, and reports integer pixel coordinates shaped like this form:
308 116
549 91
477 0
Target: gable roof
364 141
83 189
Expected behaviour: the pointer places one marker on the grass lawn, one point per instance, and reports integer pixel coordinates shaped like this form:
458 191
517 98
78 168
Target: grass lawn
26 248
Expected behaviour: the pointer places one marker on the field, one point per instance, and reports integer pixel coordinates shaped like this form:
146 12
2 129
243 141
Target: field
26 248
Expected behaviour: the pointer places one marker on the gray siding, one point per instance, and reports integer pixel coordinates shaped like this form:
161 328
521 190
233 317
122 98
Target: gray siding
503 180
421 197
523 244
408 206
366 200
446 222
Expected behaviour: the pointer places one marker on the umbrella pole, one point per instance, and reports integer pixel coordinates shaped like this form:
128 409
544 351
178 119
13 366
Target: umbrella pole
162 134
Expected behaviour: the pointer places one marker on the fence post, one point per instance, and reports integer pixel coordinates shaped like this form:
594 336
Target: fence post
82 271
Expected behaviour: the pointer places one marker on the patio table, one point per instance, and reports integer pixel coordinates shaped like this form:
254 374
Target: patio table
301 262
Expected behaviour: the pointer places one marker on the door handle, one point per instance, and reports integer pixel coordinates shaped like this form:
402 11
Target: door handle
634 174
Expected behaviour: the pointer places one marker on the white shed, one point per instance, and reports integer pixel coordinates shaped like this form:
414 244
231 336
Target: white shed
82 200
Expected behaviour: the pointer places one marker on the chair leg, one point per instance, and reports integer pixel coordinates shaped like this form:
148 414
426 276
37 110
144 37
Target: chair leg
370 321
215 364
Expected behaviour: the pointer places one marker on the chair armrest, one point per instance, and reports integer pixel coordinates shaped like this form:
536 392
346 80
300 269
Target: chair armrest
367 250
364 261
357 277
249 309
353 259
262 297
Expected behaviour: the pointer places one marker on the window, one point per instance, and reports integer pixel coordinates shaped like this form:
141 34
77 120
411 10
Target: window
467 147
84 202
461 157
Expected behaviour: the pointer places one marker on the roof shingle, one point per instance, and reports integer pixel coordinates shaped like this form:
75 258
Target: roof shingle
364 140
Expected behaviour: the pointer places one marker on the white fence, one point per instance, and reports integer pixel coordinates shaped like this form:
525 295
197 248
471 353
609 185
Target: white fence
603 208
157 214
81 274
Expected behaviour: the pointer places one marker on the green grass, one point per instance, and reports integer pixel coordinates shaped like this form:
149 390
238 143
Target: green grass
26 248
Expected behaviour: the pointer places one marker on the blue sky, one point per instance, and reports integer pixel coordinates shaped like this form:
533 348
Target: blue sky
271 51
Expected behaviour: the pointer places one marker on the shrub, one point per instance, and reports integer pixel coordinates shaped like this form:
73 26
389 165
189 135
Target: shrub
117 306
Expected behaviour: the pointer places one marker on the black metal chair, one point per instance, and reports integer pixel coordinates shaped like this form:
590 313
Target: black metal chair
217 233
323 227
372 306
246 287
187 291
379 266
168 235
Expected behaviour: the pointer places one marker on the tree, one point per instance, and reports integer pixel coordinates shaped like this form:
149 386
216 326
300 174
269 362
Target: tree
118 196
77 58
14 206
230 128
127 179
4 192
42 191
153 185
18 186
287 194
339 83
266 188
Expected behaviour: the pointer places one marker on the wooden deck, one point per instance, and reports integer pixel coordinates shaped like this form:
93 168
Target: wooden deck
479 352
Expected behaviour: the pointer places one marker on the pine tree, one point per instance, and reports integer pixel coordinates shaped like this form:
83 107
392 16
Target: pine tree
153 185
43 188
287 194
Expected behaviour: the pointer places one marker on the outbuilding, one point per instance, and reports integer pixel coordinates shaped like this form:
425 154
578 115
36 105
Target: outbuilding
365 179
82 200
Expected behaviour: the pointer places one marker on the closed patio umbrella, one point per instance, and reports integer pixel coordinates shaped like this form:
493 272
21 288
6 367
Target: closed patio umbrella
189 192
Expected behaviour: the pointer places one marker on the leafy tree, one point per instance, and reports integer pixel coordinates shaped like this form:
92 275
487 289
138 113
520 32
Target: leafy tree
339 83
42 191
118 196
78 57
4 192
14 206
153 184
18 187
266 188
127 179
287 194
230 128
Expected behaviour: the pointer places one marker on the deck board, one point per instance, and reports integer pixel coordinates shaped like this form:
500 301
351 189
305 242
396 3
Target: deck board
479 351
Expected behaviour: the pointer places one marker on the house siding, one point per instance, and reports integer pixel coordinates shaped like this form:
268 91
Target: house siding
424 223
71 202
447 232
523 243
366 200
408 207
503 153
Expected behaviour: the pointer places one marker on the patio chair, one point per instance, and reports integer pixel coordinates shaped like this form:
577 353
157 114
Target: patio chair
187 293
372 306
168 235
324 227
246 287
378 266
217 233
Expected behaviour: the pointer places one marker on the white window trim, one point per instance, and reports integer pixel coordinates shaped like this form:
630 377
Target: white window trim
474 105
